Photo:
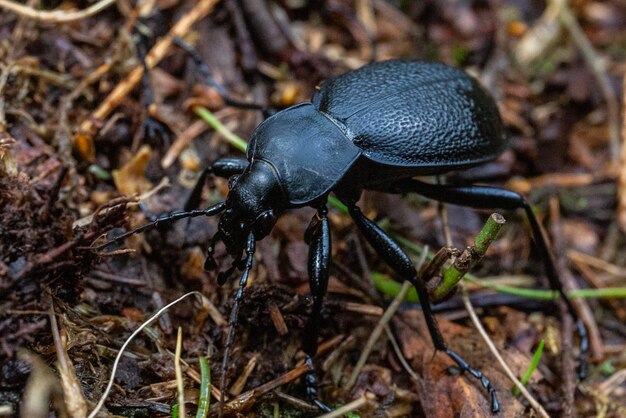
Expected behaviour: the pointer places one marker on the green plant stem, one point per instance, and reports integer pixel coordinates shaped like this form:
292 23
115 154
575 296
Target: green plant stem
390 287
208 116
607 292
531 368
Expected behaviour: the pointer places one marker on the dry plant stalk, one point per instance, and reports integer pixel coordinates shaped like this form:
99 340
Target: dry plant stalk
55 16
621 182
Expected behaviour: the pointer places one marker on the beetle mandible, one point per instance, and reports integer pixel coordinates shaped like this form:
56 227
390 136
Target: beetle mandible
374 128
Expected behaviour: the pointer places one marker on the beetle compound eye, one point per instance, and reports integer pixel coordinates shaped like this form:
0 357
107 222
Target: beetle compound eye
264 223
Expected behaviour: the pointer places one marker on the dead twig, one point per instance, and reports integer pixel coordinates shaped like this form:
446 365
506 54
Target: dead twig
247 399
277 319
180 383
507 370
399 354
568 386
366 398
384 320
621 181
595 63
74 400
156 54
492 347
194 130
239 384
299 403
569 283
55 16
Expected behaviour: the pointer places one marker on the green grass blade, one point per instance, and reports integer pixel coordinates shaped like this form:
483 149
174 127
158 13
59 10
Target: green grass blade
204 400
531 368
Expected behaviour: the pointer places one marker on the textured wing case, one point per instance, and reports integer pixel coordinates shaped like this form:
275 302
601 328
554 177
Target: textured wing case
417 114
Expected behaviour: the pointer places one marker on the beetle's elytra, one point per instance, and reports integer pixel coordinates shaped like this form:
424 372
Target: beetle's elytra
372 128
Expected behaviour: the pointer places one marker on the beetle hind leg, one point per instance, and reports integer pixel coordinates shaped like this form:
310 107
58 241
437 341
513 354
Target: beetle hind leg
222 167
395 258
484 197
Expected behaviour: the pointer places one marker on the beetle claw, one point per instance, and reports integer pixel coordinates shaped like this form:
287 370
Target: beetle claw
209 263
223 276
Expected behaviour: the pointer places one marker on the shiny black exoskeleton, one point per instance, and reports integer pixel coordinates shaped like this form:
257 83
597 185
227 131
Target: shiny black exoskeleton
373 128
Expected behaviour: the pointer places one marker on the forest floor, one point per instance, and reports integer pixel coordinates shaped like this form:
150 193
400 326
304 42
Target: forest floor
89 149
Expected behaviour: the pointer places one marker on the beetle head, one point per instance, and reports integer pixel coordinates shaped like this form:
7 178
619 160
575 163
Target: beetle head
253 205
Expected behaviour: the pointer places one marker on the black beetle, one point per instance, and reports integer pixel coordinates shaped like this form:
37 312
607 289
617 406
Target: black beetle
374 128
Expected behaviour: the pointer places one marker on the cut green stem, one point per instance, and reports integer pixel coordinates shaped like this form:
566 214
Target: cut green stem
469 258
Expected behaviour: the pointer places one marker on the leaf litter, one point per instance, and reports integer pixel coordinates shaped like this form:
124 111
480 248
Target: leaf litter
61 139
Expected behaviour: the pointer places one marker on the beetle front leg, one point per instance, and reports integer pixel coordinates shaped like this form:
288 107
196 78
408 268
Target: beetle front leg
234 313
318 238
397 259
484 197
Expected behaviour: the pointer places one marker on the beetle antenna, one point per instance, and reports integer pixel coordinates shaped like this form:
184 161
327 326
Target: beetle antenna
166 219
234 314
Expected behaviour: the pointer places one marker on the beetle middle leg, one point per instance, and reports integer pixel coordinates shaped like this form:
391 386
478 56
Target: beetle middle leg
397 259
318 238
484 197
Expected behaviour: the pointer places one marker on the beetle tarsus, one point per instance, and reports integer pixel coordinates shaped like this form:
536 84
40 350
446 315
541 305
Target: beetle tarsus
465 367
311 386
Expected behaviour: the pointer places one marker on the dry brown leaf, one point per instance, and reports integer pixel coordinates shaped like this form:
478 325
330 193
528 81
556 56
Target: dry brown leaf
42 386
131 178
443 394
